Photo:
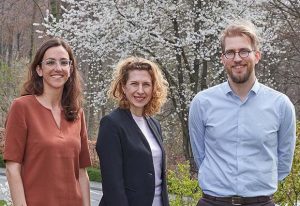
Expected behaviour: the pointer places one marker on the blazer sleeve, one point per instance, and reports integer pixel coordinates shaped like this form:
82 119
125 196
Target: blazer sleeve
109 150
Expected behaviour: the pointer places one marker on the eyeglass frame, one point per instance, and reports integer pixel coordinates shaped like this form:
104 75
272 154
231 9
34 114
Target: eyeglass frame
57 62
239 53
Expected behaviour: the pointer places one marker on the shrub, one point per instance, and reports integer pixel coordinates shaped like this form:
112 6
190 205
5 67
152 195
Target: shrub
183 189
94 174
289 190
2 203
2 164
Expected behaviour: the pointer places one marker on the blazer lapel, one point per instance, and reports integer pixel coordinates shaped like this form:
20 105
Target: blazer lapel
135 127
155 131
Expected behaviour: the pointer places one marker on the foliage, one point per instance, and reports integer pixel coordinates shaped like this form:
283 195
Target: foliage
2 203
9 83
289 190
94 174
183 189
6 85
2 164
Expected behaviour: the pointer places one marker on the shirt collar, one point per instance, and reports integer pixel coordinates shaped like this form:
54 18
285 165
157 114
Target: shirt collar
227 89
255 87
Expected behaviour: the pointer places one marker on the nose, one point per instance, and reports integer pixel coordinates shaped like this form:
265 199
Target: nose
57 67
140 89
237 57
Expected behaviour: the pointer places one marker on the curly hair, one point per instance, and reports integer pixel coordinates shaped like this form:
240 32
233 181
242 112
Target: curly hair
72 96
121 75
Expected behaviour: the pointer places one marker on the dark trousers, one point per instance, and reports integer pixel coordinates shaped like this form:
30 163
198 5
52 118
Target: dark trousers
206 202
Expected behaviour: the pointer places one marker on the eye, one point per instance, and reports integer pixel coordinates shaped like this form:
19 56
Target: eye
229 53
134 83
147 84
50 62
64 62
244 52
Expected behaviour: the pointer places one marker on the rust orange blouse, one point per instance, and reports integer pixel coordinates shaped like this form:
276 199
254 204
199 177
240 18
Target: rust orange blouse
50 156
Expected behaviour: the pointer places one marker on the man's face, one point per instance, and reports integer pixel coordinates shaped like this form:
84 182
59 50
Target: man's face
239 69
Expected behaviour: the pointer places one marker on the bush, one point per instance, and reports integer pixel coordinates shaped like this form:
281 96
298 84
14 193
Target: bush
2 203
2 164
94 174
183 189
289 190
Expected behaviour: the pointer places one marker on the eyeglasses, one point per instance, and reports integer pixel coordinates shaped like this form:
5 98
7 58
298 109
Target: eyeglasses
242 53
52 63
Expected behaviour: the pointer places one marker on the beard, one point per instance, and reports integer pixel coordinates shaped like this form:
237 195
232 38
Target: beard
240 79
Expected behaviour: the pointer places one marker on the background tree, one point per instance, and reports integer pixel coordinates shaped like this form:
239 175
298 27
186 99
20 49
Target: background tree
287 13
16 40
181 36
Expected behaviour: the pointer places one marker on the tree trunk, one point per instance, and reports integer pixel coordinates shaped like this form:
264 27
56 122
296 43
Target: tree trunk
32 32
10 49
204 75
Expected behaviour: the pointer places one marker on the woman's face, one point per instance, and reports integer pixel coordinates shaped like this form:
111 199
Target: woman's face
138 90
55 68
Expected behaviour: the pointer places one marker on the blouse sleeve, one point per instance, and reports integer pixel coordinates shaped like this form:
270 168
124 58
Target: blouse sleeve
15 133
84 156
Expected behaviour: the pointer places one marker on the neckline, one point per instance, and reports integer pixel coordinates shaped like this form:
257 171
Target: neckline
58 125
36 99
137 118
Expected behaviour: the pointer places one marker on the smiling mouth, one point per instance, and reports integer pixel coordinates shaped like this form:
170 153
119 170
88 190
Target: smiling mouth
239 65
57 76
139 98
239 68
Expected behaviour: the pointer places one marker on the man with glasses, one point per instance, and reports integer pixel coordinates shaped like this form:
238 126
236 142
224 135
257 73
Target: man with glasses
242 132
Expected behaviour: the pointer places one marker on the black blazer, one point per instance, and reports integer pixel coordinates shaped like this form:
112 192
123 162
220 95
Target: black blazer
126 163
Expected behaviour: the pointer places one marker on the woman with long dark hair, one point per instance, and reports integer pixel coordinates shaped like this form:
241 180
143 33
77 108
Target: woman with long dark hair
46 150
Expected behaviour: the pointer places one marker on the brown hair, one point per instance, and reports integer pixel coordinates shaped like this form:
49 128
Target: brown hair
120 77
71 98
241 28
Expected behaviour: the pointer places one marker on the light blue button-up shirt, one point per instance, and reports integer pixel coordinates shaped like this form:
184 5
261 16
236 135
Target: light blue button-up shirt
242 147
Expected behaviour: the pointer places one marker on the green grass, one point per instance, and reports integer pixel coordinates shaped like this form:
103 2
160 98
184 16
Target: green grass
2 203
94 174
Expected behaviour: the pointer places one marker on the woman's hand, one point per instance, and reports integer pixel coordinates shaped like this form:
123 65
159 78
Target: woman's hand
84 186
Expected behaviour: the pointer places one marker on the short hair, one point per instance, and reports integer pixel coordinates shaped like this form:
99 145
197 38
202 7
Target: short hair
121 75
72 95
241 28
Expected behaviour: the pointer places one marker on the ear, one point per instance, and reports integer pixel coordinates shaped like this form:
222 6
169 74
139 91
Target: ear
222 59
39 71
257 56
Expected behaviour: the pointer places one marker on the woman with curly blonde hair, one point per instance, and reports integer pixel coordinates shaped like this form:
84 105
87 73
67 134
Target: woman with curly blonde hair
129 145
